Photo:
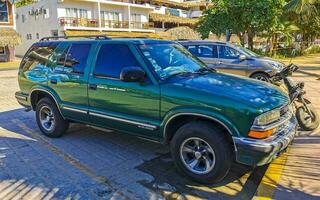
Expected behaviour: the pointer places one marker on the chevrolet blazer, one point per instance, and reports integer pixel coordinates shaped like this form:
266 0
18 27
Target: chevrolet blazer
157 90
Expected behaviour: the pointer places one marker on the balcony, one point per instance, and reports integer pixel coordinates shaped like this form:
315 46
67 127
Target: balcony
112 25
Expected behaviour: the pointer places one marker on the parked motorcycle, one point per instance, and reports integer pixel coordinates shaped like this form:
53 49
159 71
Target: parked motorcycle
306 114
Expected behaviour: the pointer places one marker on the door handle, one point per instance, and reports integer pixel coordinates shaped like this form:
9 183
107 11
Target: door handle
53 81
93 86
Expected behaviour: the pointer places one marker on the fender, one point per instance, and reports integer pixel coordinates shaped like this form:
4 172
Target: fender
50 92
209 114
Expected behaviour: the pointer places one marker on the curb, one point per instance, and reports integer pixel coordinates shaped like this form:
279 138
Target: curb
8 68
309 73
271 178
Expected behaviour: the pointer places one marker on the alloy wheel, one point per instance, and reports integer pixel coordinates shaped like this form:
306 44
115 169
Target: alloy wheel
47 118
197 155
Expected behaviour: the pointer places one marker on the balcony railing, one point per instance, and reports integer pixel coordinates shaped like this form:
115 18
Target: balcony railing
112 24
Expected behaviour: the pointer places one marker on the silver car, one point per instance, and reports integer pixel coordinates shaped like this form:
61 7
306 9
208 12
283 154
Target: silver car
230 58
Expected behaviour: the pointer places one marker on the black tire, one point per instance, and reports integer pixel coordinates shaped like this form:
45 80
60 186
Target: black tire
261 77
212 136
59 125
303 121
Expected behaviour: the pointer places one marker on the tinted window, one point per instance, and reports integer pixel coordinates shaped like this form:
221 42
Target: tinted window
193 49
38 56
204 51
76 58
228 53
112 58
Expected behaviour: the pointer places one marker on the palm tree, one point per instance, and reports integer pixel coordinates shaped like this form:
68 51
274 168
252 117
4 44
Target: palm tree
304 13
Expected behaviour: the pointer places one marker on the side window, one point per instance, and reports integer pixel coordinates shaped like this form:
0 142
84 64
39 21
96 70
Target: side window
228 53
112 58
193 50
208 51
37 56
75 60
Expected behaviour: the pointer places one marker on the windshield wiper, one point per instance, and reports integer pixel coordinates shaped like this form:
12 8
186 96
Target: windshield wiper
206 69
177 74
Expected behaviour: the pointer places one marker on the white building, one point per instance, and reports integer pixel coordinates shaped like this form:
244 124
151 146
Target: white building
56 17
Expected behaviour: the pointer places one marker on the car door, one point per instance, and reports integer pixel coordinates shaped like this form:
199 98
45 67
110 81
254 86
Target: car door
207 53
68 78
125 106
229 61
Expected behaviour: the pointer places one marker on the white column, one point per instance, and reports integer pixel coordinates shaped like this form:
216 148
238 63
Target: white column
99 16
14 16
129 17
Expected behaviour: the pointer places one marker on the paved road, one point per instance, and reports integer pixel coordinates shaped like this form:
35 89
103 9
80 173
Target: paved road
91 164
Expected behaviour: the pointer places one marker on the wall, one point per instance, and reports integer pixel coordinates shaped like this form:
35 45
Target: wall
35 24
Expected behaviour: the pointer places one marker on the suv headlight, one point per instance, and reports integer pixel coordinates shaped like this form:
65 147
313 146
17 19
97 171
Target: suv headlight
267 118
264 120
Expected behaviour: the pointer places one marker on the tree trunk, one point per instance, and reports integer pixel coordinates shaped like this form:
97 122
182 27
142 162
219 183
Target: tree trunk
273 45
250 39
303 42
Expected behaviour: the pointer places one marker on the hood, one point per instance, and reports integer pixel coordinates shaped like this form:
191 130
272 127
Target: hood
240 89
271 62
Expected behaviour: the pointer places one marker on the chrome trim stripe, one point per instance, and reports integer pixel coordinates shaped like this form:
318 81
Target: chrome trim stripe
139 124
75 110
21 97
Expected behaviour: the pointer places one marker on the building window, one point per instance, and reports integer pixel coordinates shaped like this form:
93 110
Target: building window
76 13
72 12
46 13
37 36
112 19
4 12
2 51
83 13
23 18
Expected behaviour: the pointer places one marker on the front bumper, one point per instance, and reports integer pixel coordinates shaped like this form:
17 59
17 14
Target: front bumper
22 99
256 152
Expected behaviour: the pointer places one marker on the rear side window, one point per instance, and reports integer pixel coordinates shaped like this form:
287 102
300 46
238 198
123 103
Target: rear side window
37 56
203 51
75 58
208 51
112 58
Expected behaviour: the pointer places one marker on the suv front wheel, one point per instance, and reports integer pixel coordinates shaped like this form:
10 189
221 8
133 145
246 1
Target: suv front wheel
49 119
201 152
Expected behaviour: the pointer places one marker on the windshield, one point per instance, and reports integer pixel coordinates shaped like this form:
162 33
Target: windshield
247 51
169 60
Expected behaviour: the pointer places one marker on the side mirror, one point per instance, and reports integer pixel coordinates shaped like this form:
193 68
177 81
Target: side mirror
242 57
132 74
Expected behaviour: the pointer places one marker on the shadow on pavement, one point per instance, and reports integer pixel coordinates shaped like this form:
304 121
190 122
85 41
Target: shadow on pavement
89 163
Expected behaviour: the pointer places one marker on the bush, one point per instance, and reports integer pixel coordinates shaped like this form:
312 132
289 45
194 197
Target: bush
312 49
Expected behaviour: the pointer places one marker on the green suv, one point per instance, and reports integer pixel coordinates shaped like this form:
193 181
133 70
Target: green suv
156 90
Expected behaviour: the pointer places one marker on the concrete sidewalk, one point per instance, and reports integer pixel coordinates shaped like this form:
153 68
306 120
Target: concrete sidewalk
296 174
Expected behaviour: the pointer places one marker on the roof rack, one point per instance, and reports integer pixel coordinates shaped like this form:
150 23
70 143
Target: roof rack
96 37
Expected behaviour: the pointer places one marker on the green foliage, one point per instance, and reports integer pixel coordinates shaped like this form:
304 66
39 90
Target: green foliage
312 49
239 16
24 3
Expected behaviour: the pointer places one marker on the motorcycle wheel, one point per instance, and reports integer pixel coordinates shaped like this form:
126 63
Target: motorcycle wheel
307 122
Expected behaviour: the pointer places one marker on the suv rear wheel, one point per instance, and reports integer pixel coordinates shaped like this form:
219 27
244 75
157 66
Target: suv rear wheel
201 152
49 119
